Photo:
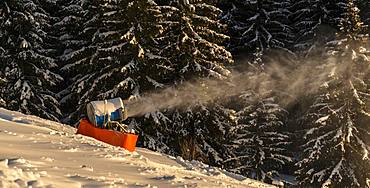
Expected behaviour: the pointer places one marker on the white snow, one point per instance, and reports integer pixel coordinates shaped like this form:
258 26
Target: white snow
322 120
40 153
155 83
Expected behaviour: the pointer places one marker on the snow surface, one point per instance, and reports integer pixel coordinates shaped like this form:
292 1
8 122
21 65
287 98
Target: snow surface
39 153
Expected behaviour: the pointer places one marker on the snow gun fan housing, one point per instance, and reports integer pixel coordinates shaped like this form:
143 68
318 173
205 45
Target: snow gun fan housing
104 123
104 114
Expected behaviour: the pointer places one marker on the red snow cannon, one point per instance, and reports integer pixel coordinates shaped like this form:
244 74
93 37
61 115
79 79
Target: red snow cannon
104 124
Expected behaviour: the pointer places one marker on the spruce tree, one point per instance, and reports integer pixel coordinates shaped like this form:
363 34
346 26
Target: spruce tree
118 59
75 27
27 63
68 28
335 153
315 23
200 132
258 141
260 25
191 41
336 149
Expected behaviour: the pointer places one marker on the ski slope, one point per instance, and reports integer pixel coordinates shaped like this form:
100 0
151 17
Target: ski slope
39 153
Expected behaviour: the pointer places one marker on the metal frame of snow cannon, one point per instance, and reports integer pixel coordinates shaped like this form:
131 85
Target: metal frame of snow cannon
117 126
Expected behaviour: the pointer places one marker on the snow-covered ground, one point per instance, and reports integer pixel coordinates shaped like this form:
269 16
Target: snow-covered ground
39 153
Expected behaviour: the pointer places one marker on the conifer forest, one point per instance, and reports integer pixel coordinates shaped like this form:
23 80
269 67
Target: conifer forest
269 89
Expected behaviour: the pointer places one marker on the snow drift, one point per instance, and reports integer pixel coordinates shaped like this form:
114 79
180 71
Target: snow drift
41 153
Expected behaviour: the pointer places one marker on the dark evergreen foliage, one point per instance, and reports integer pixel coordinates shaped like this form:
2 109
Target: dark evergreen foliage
335 153
192 41
201 131
315 23
336 148
364 7
259 24
120 50
259 141
26 59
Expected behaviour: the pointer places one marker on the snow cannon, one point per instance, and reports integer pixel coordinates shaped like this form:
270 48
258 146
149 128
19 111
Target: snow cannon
104 123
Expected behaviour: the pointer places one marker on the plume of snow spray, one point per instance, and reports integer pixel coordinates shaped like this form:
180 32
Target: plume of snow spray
291 81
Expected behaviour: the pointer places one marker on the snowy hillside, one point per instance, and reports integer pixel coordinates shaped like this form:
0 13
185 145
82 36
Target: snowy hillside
39 153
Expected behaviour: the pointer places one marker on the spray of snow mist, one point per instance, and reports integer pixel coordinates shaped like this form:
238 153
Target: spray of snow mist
292 81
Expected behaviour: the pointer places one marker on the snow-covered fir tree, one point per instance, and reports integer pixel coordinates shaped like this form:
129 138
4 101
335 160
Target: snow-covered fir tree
68 27
118 60
75 42
315 23
259 24
335 153
26 58
258 141
200 132
193 41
